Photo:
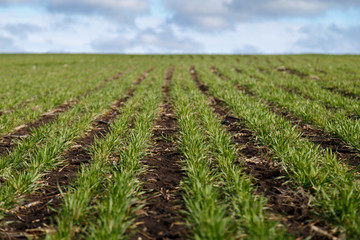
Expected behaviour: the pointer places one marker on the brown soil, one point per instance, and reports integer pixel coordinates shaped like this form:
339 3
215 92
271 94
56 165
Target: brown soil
342 92
290 202
321 71
215 71
238 70
33 217
291 71
161 217
8 142
262 70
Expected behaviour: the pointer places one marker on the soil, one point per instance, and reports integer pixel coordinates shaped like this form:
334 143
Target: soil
161 217
33 217
215 71
291 71
342 92
290 203
262 70
238 70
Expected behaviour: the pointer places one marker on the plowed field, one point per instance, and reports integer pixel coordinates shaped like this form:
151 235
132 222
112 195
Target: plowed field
179 147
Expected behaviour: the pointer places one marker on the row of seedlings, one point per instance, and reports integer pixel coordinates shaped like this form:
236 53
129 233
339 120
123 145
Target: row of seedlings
102 201
335 188
219 197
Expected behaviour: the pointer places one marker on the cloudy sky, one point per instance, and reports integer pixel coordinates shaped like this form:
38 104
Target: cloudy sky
180 26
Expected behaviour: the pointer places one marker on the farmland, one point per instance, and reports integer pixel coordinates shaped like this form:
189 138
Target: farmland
179 147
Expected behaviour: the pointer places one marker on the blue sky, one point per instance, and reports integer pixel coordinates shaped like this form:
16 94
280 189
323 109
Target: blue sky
180 26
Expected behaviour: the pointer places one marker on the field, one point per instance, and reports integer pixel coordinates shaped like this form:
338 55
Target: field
179 147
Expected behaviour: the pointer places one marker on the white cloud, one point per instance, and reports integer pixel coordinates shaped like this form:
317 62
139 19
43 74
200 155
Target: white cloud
220 14
124 11
247 49
149 21
329 38
84 6
214 26
11 2
21 30
269 37
160 40
7 45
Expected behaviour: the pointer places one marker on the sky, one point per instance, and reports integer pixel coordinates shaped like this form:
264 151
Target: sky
180 26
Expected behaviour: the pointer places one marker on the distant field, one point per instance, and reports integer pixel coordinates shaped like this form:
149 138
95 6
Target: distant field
179 147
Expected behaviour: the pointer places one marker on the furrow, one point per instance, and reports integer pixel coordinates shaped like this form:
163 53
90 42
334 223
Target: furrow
343 92
287 70
161 218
